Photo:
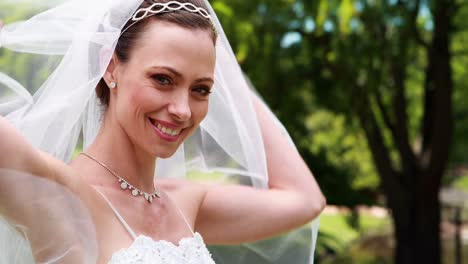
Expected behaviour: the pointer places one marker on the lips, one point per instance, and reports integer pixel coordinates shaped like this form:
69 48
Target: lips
166 132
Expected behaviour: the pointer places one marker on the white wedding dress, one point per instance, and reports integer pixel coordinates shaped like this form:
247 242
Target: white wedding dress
145 250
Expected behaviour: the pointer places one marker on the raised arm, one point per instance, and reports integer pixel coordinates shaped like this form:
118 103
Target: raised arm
45 213
17 153
234 214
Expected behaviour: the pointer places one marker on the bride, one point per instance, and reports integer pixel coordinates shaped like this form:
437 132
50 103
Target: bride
145 81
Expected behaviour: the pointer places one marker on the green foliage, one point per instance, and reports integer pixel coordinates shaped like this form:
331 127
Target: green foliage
461 183
350 78
343 146
284 70
315 61
337 225
339 242
460 62
345 14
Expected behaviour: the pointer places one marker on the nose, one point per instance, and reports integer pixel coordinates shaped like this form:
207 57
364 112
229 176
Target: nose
179 108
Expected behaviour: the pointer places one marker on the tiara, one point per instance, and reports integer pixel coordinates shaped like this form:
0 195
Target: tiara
171 6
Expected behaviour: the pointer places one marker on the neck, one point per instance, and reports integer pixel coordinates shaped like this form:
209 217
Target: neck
115 149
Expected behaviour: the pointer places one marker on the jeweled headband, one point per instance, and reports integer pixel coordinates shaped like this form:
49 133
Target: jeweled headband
172 6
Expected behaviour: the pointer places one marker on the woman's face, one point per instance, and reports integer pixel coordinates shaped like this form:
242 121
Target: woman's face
162 91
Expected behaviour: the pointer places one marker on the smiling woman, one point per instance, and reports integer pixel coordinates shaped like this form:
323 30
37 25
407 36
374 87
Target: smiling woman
146 83
158 89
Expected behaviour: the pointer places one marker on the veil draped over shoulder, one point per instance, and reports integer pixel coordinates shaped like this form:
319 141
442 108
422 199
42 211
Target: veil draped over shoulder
64 52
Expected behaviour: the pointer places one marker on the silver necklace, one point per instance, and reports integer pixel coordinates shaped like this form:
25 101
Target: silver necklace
124 185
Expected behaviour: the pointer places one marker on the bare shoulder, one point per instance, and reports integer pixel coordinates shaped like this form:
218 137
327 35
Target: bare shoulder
60 172
175 184
182 187
188 195
69 177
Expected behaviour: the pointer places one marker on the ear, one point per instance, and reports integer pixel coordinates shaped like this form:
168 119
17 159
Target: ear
108 62
110 75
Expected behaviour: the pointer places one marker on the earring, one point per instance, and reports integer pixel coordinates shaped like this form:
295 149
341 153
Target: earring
112 85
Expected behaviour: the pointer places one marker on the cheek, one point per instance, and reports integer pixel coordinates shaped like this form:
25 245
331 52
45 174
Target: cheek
200 110
131 104
141 99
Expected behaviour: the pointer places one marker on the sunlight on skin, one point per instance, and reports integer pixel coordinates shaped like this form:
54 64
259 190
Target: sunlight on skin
218 177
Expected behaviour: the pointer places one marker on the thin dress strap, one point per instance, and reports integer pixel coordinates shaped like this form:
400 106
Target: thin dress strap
124 223
185 219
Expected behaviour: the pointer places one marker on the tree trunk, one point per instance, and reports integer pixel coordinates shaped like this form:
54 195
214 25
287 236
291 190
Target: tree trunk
416 226
412 195
412 189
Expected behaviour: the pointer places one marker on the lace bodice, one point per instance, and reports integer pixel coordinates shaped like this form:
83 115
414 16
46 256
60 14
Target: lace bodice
145 250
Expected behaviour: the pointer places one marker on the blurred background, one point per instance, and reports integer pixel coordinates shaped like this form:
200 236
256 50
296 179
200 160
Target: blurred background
373 93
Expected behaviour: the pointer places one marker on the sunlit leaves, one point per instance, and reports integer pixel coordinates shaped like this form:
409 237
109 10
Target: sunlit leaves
343 147
245 31
223 9
345 14
322 14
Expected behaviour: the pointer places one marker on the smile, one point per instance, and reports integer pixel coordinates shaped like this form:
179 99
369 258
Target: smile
170 134
168 131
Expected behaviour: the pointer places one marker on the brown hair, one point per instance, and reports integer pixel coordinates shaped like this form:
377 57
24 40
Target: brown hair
129 38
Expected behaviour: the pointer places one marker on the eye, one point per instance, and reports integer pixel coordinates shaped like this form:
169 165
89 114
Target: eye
162 79
202 91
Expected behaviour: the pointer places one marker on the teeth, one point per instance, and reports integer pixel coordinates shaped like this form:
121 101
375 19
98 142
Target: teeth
168 131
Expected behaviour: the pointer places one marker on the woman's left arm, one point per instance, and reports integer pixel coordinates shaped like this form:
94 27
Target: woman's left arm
236 214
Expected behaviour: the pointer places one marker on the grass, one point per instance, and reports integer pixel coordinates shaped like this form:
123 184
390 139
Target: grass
351 245
339 226
461 183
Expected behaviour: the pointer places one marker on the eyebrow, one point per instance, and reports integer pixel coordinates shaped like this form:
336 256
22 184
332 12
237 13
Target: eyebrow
179 75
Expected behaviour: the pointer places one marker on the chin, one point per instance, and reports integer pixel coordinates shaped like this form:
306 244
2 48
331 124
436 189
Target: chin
164 154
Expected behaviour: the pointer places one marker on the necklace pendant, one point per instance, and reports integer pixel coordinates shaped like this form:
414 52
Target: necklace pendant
124 185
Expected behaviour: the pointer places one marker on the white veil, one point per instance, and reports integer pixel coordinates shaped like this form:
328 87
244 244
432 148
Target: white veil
51 226
71 43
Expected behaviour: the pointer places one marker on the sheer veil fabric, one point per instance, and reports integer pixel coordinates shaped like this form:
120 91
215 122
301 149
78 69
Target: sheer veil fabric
71 44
